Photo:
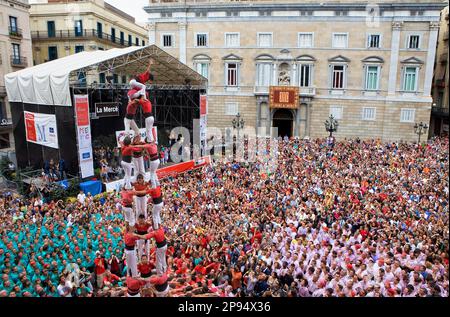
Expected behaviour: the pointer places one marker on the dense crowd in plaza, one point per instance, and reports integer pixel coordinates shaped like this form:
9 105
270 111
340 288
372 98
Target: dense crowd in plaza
357 219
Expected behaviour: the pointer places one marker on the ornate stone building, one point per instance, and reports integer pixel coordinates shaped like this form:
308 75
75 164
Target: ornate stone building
371 66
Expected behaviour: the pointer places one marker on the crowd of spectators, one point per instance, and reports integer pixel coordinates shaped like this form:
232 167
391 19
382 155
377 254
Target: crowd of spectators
354 219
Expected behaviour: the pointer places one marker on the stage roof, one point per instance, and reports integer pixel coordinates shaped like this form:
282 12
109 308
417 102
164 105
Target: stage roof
50 83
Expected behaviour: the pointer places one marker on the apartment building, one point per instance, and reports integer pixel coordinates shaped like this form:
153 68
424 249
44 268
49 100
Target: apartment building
15 54
440 110
65 27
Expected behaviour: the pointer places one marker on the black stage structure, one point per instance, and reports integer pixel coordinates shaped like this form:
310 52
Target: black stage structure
174 93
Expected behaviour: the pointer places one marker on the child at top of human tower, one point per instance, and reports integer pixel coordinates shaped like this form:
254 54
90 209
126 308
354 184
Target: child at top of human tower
137 96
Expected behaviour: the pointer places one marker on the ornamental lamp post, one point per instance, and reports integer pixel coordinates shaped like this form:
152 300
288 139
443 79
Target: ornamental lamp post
420 128
238 123
331 125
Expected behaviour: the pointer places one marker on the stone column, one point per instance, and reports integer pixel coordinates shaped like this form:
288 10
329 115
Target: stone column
434 28
182 32
294 75
274 77
297 121
151 28
393 64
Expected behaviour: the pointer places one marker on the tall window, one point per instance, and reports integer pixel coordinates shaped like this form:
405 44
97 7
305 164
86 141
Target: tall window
130 40
137 41
143 43
413 41
13 24
305 75
231 74
410 79
340 40
201 40
369 113
407 115
264 74
338 76
232 40
78 27
102 78
231 108
372 77
202 68
51 31
264 39
336 112
99 30
124 79
16 53
52 53
305 40
122 38
167 40
79 48
373 41
113 35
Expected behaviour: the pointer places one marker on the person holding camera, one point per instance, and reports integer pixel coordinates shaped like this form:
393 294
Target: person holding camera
100 268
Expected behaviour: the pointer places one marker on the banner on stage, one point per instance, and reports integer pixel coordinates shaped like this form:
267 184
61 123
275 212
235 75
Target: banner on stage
203 105
121 134
84 136
167 171
41 129
107 109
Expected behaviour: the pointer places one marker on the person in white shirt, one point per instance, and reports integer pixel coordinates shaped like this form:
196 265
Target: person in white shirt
81 197
64 288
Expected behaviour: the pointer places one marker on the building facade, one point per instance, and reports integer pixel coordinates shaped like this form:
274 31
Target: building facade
65 27
440 110
15 54
370 66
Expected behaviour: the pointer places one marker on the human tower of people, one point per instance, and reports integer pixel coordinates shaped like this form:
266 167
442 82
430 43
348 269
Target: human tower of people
138 230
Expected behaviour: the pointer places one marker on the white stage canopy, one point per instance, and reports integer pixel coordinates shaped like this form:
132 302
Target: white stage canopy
49 83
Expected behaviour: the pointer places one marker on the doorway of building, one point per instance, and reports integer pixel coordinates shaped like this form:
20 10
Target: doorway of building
283 119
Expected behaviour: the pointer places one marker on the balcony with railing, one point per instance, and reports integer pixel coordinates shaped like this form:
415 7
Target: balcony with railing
88 34
18 61
440 111
15 32
303 91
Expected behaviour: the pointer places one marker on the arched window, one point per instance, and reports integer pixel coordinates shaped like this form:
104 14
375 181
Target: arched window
201 64
264 70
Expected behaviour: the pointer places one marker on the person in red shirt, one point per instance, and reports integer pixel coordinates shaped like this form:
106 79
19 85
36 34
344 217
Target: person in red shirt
134 285
109 279
142 227
138 96
161 248
138 155
141 188
152 151
160 284
127 152
127 206
145 267
130 250
137 83
157 206
100 268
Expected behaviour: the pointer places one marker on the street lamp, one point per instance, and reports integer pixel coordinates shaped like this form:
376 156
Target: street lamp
331 125
238 123
420 128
